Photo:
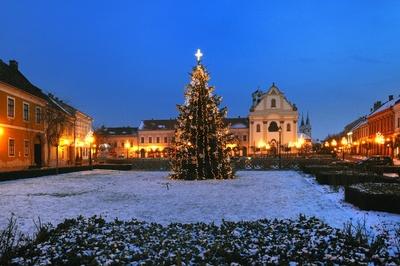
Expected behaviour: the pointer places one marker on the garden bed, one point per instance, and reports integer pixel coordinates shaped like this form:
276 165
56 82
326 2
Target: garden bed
375 196
94 241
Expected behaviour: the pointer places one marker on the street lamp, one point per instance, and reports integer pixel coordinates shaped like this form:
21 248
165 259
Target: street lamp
379 139
280 147
344 144
90 139
127 146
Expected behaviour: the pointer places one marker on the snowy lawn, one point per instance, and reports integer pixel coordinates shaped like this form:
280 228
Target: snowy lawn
151 196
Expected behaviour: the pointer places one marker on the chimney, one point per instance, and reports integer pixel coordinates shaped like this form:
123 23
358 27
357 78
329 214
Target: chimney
377 105
13 64
391 97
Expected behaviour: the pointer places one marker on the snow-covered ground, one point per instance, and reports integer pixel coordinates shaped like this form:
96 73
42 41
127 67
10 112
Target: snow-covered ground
151 196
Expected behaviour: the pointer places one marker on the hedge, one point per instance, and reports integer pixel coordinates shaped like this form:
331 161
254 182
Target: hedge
375 196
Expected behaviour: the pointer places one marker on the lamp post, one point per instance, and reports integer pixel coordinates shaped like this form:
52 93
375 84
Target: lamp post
280 147
127 146
90 139
344 144
379 140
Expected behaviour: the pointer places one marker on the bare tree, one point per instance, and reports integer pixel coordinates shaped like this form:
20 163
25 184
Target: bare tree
56 121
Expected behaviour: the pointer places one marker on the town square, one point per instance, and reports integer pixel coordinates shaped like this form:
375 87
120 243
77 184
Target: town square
214 133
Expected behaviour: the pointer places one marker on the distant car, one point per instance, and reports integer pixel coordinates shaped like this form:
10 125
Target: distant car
377 161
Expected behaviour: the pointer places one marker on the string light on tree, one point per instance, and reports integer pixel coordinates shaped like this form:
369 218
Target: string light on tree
200 148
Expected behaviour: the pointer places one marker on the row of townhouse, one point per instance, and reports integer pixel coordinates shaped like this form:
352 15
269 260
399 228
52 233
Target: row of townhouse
377 133
271 125
152 139
26 127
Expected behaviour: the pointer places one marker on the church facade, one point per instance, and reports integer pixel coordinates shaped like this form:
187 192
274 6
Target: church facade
273 121
271 127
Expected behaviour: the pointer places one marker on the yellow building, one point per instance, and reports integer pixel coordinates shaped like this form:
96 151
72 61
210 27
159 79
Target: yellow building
21 125
117 142
75 144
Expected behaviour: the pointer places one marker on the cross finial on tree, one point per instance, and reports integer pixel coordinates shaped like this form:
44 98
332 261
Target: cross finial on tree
198 55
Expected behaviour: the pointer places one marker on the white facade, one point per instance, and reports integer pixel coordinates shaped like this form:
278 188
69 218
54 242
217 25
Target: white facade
271 114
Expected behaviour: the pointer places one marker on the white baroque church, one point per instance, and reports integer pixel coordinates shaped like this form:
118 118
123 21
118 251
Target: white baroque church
273 120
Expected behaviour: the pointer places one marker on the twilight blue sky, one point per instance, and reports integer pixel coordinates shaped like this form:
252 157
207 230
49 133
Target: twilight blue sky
123 61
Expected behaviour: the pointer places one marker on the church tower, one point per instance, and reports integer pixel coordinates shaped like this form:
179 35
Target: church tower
305 127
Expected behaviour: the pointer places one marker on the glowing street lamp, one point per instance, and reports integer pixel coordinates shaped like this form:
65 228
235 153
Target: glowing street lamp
127 146
379 139
90 139
326 144
333 143
344 143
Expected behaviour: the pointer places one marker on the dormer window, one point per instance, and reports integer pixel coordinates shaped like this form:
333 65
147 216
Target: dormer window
273 103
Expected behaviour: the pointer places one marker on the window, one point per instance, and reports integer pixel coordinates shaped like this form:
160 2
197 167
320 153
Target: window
150 140
10 107
273 103
11 147
273 127
288 128
141 139
158 140
398 122
25 112
38 115
165 140
26 148
258 128
244 137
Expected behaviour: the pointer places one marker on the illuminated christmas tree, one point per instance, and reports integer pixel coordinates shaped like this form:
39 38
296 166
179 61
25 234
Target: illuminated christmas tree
201 135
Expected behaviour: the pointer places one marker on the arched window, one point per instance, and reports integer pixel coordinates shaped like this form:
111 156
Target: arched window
273 127
258 128
288 127
273 103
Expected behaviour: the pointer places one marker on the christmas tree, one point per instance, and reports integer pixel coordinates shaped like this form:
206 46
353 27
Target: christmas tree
201 135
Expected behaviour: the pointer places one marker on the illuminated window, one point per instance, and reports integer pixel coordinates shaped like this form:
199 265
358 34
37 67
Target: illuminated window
25 111
10 107
11 147
26 148
273 103
38 115
258 128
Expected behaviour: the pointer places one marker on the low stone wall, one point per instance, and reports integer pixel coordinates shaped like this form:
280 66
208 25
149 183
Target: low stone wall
31 173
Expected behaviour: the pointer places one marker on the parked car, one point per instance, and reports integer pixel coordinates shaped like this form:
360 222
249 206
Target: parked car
377 161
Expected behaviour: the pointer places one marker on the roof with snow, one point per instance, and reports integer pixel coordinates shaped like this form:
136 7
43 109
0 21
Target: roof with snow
386 105
169 124
117 131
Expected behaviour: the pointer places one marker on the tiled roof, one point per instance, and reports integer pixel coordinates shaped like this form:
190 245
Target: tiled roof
117 131
11 75
169 124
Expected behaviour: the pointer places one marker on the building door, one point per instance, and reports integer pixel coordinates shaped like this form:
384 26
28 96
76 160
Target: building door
38 152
